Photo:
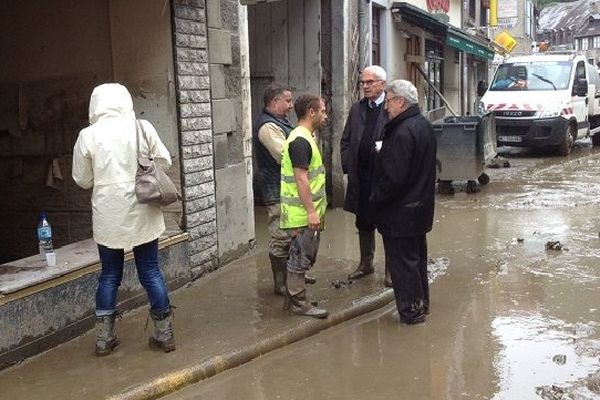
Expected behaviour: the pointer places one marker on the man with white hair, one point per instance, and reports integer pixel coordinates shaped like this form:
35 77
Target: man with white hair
363 128
403 196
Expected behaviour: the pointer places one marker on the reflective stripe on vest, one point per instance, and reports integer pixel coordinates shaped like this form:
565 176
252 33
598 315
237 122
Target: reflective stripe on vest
293 213
311 175
297 202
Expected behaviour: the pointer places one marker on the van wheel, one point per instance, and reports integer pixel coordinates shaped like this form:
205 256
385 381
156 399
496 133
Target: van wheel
445 187
564 149
596 139
483 179
472 187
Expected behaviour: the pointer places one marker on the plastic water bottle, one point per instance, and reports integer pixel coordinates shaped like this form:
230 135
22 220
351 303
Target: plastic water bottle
44 232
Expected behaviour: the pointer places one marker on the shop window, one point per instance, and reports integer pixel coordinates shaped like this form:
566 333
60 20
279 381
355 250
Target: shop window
376 36
413 48
472 9
49 74
482 17
434 68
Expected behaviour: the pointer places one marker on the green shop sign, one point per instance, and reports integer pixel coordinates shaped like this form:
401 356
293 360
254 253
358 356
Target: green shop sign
469 47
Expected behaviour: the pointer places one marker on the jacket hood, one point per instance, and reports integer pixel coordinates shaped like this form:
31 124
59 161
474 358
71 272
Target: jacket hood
410 111
110 100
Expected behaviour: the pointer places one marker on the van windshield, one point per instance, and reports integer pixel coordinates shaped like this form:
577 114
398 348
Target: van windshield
538 75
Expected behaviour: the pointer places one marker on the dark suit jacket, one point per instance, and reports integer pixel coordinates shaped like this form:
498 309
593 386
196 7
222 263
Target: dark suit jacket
403 195
349 146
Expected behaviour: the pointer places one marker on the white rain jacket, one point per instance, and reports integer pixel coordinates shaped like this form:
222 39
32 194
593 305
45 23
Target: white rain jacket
105 158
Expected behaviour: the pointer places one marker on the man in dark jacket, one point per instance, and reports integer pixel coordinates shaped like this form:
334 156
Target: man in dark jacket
403 198
363 128
270 132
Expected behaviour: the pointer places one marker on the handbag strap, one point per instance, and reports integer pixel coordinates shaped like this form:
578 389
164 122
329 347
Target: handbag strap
139 127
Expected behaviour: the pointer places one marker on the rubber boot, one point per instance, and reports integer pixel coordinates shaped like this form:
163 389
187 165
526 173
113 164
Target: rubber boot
279 268
411 313
367 253
296 302
163 330
106 334
388 278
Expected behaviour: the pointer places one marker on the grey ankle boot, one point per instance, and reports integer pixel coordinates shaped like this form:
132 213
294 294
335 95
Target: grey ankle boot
106 334
163 330
366 241
296 302
279 268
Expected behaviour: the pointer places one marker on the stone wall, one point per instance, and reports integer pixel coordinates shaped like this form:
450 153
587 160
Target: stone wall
227 43
195 125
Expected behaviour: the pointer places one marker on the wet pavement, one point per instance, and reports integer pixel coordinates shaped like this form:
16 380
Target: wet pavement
510 319
230 312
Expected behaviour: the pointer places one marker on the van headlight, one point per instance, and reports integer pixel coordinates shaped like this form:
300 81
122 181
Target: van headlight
550 113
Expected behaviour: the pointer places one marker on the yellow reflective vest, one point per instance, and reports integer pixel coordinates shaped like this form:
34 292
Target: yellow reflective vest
293 213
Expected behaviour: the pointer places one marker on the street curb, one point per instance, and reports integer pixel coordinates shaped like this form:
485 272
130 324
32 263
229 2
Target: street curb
173 381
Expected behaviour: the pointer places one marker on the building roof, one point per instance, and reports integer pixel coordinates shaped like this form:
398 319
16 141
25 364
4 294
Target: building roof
572 15
591 27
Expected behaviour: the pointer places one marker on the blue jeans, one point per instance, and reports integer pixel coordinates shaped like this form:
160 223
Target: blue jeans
146 263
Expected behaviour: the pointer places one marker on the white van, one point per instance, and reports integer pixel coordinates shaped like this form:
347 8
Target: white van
544 101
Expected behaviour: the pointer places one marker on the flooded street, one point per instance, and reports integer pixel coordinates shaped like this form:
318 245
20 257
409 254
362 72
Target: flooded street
512 317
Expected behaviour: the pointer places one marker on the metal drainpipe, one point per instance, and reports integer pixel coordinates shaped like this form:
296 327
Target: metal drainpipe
464 74
461 65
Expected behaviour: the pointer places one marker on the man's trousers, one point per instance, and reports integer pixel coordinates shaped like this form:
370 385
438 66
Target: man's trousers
406 259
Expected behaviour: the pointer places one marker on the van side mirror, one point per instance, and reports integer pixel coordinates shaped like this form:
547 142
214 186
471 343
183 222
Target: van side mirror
481 88
582 88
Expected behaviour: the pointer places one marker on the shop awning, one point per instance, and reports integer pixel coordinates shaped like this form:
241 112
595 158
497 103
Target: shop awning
465 43
454 36
419 17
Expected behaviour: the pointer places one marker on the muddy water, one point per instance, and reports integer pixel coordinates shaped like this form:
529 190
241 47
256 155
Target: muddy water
510 319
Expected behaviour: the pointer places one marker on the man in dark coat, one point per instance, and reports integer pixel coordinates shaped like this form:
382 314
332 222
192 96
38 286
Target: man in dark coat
403 198
363 128
270 132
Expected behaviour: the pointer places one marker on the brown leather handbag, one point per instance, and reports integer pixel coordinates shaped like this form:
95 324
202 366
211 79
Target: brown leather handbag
152 185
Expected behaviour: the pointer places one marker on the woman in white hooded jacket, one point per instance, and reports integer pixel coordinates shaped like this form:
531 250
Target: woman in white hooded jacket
105 159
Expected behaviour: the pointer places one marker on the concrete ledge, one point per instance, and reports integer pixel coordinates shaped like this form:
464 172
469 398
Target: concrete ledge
171 382
60 307
31 271
77 259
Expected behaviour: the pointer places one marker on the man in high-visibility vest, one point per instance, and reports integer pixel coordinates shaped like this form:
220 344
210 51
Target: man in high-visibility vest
271 129
303 201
